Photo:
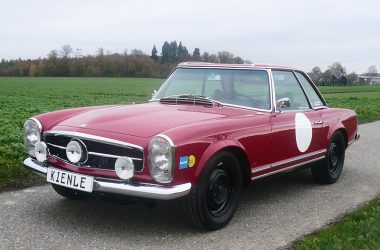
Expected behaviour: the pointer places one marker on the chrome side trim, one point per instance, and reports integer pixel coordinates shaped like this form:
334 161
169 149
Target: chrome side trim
279 163
287 168
93 137
144 190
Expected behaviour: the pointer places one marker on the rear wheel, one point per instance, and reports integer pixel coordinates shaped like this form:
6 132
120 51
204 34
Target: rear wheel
68 193
331 168
213 201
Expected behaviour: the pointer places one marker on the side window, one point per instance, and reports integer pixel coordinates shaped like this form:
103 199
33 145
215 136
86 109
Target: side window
310 92
286 85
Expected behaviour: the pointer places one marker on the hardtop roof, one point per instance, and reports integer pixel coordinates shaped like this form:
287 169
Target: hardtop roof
224 65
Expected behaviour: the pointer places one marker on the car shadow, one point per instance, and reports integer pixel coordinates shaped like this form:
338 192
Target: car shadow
99 217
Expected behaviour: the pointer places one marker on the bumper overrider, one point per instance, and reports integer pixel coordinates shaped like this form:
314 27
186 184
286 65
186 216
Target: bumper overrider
143 190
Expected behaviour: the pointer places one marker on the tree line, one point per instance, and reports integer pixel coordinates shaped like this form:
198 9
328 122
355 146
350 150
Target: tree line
336 74
70 62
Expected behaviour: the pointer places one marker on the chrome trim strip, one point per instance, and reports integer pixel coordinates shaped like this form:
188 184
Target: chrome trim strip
113 156
93 137
82 165
279 163
166 138
56 146
144 190
38 123
287 168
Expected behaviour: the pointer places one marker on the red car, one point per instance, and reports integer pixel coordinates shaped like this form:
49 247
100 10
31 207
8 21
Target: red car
206 133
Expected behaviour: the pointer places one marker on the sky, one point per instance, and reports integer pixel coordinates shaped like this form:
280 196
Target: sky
297 33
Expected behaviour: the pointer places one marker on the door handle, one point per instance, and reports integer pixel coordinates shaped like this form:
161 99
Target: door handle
319 122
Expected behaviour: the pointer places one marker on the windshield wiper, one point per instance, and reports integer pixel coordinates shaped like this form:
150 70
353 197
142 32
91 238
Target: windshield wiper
189 98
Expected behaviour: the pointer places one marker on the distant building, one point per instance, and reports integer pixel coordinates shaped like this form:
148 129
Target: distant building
370 79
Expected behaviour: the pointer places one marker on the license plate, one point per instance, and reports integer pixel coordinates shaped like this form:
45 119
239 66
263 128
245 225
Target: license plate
70 180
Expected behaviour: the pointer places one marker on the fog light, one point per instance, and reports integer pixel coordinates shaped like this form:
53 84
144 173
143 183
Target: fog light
74 151
40 151
124 168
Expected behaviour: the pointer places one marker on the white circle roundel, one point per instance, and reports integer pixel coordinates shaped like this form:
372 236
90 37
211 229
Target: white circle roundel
304 132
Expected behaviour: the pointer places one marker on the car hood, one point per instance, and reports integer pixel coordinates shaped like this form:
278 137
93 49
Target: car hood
143 120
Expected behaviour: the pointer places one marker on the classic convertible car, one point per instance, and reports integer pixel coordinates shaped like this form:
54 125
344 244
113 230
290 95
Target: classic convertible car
206 133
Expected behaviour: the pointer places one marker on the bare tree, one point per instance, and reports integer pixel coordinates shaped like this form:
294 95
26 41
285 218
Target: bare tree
66 51
226 57
316 74
372 70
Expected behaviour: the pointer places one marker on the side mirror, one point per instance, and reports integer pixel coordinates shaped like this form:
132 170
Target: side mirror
283 103
154 92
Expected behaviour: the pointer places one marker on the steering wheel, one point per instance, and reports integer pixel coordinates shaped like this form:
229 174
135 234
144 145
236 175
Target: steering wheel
244 96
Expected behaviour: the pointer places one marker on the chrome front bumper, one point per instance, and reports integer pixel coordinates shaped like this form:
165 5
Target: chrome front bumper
143 190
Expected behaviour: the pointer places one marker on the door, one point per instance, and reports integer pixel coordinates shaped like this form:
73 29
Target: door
297 128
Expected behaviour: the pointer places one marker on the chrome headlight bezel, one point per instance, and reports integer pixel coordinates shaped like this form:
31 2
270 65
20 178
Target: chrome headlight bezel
161 147
32 134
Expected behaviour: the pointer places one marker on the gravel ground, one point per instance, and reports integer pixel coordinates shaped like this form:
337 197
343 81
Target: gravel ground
272 214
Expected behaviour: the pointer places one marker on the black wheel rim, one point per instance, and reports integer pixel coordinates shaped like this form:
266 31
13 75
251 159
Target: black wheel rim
335 156
219 191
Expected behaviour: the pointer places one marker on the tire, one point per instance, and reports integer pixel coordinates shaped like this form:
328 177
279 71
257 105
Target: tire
212 202
331 168
69 193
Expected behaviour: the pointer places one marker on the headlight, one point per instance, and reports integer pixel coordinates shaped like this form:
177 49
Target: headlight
161 157
32 134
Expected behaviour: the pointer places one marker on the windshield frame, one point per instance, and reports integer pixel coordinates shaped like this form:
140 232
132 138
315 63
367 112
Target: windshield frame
270 85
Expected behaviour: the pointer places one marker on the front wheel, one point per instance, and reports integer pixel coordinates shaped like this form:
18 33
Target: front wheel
331 168
212 202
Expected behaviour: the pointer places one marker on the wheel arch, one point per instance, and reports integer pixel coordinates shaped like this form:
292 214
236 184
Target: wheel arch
335 129
233 147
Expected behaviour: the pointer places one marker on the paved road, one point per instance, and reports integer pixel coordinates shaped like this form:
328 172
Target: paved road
272 213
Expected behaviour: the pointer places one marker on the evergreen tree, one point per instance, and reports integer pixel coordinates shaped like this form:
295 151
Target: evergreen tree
154 55
182 53
197 54
173 51
165 53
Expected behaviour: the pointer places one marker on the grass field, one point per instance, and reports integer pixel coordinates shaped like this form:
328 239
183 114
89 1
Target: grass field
365 100
21 98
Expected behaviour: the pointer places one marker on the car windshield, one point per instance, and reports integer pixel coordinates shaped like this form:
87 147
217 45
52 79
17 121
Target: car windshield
249 88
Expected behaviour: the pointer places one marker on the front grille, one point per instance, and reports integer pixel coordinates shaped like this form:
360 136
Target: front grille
102 152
